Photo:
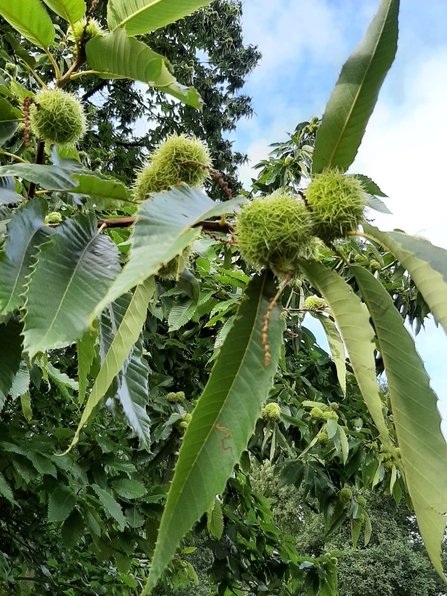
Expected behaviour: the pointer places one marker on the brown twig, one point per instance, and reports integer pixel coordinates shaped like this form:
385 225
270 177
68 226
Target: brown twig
215 174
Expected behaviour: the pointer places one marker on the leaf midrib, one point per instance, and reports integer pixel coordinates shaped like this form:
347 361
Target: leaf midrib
354 104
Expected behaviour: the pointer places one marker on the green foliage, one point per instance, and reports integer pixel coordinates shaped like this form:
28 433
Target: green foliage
152 316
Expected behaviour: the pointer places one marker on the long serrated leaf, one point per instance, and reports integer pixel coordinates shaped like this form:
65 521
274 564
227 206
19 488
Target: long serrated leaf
117 56
61 504
223 419
370 186
133 392
70 10
141 16
78 267
163 228
111 507
72 529
124 337
355 94
5 489
30 19
415 415
426 263
86 351
180 314
353 324
26 232
337 349
49 177
10 356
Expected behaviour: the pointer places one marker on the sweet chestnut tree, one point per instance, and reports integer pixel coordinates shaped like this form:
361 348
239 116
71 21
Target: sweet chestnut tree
69 278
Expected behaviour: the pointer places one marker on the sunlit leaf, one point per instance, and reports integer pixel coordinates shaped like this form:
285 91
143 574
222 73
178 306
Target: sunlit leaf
85 347
125 321
355 94
352 321
223 419
70 10
30 19
426 263
49 177
116 56
415 415
142 16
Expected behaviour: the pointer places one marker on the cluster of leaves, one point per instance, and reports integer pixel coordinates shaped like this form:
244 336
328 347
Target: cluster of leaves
86 322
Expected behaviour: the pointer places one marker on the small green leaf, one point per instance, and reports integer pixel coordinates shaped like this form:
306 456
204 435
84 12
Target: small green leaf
78 265
368 529
214 520
30 19
415 415
337 349
61 504
353 324
69 10
141 16
344 444
355 94
223 419
116 56
134 518
370 186
111 507
180 314
129 489
25 402
105 190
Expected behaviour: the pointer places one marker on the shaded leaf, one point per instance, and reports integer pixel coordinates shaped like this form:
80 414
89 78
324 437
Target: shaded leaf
222 421
415 415
79 266
10 356
164 227
141 16
427 265
353 324
30 19
355 94
337 349
125 321
61 504
180 314
9 197
129 489
5 489
134 518
376 204
26 232
72 529
116 56
86 351
111 507
49 177
214 520
8 120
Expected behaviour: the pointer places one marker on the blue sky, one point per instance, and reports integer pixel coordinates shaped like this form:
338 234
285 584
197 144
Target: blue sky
304 44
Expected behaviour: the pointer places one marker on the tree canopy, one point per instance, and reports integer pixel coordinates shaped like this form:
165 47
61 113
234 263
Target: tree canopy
153 351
